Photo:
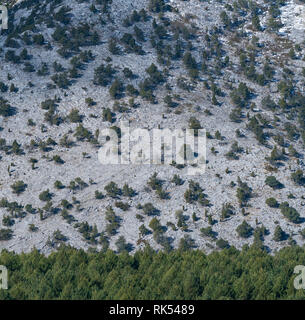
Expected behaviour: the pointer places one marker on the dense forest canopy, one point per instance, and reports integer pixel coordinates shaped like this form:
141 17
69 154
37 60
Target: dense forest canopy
69 273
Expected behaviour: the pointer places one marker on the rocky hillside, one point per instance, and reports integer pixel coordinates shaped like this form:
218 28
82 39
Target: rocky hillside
70 69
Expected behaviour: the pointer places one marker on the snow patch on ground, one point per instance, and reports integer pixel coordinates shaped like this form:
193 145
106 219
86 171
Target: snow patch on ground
293 17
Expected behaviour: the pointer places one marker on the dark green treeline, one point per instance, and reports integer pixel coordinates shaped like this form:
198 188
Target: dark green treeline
229 274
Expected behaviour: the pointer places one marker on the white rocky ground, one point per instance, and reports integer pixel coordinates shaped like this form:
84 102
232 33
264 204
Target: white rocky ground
28 100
